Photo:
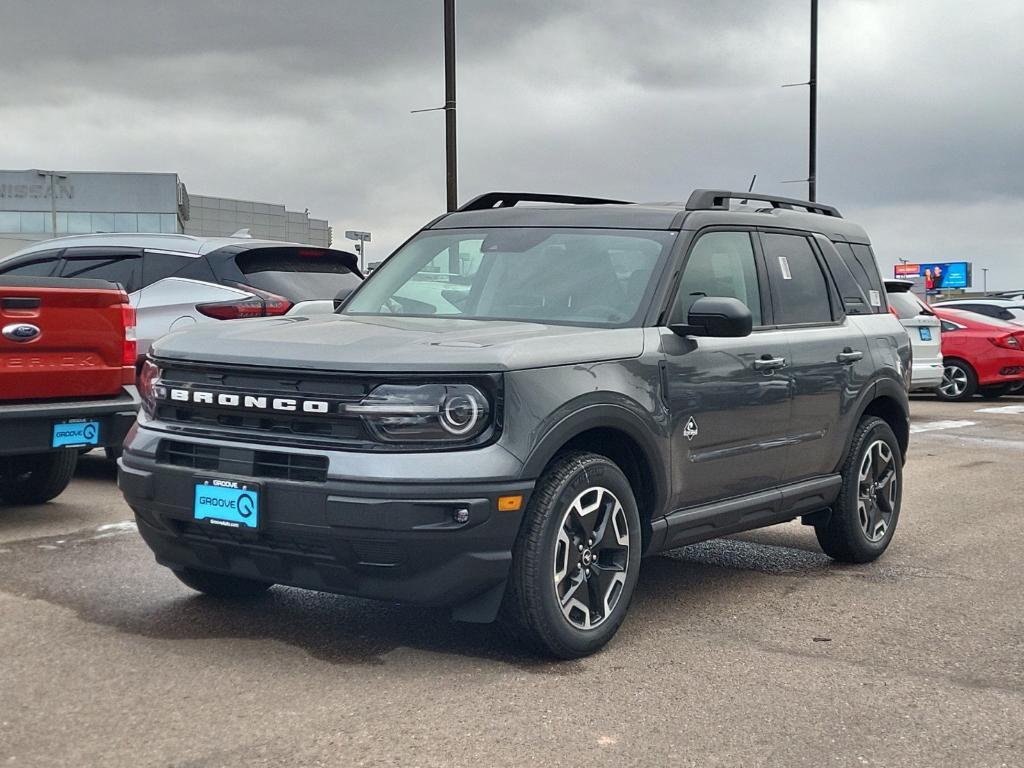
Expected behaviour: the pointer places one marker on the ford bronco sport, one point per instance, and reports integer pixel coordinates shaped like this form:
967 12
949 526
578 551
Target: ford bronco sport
524 400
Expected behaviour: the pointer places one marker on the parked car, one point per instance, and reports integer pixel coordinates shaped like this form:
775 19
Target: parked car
67 373
1007 310
604 381
981 355
924 330
177 281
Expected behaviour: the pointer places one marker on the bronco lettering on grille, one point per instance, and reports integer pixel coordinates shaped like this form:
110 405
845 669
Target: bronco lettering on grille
248 402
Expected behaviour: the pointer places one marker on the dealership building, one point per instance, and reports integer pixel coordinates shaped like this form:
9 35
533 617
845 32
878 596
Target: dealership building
37 205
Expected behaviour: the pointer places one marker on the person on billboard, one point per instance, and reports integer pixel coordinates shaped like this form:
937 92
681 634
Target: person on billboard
938 276
929 282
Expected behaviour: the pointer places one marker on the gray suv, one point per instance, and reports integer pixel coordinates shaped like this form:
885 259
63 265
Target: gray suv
525 400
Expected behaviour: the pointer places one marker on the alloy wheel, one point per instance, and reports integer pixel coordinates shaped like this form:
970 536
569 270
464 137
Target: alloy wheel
591 558
954 381
878 489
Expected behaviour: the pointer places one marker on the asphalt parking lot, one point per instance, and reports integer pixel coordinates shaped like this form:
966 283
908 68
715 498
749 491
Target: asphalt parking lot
754 650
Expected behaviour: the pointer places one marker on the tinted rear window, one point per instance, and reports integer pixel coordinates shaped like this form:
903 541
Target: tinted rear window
861 262
298 274
906 305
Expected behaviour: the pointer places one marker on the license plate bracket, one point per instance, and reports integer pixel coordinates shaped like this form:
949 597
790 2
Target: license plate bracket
75 433
227 503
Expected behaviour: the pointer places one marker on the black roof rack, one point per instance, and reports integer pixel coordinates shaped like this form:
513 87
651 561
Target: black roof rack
718 200
508 199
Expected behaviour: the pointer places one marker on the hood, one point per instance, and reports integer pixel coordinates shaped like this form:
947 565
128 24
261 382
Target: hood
397 344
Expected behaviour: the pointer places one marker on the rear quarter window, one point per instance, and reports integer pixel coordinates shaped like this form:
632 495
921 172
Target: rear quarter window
860 260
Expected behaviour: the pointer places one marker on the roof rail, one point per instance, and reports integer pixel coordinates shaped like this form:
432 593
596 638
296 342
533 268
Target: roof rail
718 200
508 199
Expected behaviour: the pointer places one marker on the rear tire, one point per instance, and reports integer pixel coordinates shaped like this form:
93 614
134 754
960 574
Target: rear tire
576 559
865 514
36 478
222 585
959 381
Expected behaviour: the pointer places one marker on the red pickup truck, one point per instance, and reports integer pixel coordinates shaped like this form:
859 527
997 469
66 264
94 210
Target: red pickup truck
67 379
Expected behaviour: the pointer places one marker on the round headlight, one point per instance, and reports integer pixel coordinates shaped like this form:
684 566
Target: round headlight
460 413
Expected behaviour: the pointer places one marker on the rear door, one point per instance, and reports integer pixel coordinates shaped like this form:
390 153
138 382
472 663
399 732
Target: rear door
829 358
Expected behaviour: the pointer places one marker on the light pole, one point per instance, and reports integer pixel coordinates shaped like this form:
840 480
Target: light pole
52 176
984 280
812 128
361 238
450 143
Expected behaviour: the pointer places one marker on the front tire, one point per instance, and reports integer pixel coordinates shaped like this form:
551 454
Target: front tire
576 560
959 381
36 478
222 585
865 514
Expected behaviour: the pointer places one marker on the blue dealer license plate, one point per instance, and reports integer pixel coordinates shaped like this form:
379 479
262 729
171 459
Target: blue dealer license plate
926 334
227 503
75 434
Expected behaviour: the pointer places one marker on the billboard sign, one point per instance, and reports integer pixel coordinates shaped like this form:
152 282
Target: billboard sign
938 276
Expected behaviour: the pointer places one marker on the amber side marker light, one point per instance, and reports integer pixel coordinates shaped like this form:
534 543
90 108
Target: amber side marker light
510 503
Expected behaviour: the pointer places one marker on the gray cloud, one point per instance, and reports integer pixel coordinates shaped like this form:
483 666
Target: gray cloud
308 104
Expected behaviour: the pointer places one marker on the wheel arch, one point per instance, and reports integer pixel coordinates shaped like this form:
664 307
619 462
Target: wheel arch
617 434
889 402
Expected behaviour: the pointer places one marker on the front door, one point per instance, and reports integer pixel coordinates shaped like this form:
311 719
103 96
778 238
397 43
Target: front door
729 398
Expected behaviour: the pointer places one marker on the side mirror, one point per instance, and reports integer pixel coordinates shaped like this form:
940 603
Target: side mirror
718 316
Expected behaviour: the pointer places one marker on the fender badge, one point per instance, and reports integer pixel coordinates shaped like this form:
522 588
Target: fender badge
690 431
20 332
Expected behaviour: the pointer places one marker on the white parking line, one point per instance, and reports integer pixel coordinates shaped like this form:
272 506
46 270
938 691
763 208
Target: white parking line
931 426
1002 409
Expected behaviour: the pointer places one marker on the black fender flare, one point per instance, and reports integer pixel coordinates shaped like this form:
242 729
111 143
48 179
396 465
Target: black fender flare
646 433
883 387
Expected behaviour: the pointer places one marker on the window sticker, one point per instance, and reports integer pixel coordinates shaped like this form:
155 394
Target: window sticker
784 266
876 298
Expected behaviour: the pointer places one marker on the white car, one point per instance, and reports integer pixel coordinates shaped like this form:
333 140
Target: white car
1006 309
925 331
177 281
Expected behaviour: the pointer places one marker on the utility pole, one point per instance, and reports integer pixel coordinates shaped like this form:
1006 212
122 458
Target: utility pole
984 279
52 176
812 133
451 163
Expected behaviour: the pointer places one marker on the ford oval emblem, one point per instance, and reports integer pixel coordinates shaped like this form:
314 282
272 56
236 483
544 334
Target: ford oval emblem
21 332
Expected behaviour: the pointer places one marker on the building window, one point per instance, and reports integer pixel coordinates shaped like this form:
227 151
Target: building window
10 222
149 222
79 223
103 222
34 223
169 223
126 222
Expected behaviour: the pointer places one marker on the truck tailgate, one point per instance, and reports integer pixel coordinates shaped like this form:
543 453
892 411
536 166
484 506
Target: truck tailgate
62 339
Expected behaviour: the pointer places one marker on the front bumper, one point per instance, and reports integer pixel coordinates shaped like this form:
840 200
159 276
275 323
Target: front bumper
28 428
382 540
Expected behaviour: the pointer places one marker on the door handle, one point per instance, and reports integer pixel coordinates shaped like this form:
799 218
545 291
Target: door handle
767 363
849 356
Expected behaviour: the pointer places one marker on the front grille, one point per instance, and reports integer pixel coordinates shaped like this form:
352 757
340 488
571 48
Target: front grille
273 465
268 541
334 428
290 466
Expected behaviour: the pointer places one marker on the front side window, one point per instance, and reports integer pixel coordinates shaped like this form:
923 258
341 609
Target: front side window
549 275
720 264
800 292
38 268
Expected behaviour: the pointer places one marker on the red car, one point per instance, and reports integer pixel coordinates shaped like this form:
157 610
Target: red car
981 355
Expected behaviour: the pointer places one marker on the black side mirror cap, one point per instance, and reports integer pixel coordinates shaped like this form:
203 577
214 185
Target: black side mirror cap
717 316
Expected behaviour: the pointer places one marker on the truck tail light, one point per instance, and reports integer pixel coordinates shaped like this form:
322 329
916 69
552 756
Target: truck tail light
260 304
130 350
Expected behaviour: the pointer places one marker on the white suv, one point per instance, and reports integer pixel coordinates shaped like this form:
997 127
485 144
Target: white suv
178 281
925 331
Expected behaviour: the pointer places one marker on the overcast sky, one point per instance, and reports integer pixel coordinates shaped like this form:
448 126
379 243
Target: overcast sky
308 104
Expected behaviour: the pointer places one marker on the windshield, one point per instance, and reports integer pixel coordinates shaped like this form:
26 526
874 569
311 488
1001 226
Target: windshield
561 276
